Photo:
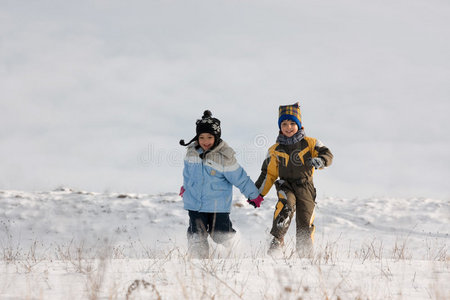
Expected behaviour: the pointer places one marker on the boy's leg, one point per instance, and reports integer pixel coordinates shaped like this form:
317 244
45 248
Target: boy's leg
221 229
284 212
197 235
306 195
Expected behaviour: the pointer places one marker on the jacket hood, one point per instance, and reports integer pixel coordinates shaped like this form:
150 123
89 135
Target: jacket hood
222 153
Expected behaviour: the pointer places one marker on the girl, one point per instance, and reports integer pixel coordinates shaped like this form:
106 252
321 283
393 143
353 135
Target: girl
210 171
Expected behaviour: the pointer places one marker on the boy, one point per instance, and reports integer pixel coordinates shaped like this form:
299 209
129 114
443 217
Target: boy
293 159
210 171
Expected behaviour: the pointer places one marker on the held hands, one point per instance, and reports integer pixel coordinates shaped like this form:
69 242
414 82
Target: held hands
317 163
181 191
256 202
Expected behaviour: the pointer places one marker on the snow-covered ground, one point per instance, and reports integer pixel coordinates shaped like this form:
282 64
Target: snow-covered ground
69 244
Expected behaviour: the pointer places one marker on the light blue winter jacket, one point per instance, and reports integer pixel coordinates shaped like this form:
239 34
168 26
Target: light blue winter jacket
208 182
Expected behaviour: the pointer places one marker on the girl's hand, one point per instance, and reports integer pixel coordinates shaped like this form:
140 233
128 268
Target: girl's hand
181 191
256 202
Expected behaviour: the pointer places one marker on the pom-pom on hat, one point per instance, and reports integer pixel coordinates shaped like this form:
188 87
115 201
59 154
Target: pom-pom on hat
207 124
290 112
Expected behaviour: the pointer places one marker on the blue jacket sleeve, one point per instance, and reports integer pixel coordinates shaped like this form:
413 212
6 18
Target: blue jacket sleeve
185 175
242 181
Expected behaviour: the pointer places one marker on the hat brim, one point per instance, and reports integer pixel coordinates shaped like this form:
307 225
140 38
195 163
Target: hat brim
289 117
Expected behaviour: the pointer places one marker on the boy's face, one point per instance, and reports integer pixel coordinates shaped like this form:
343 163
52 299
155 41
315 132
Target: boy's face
289 128
206 141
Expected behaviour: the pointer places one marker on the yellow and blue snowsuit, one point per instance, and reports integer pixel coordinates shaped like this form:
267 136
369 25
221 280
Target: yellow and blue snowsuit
288 160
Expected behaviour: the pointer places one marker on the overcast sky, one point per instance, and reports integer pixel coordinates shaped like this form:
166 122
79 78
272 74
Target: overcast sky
95 95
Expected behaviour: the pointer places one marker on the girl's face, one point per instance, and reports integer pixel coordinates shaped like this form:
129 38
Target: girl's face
206 141
289 128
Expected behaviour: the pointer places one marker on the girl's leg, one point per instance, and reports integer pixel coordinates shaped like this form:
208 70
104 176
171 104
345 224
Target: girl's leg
197 235
221 228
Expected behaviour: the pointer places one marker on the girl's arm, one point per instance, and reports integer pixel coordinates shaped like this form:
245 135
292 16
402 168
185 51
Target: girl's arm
237 176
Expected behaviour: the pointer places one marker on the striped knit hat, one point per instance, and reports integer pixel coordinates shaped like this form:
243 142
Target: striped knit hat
290 112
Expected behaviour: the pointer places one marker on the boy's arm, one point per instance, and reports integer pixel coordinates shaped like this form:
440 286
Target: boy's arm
321 156
324 153
269 173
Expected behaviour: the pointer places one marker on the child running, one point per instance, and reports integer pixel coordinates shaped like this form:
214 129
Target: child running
210 171
293 159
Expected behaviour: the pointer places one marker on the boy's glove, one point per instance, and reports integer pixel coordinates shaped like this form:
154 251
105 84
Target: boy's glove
256 202
317 162
181 191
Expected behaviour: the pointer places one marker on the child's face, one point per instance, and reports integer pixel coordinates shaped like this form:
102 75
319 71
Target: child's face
289 128
206 141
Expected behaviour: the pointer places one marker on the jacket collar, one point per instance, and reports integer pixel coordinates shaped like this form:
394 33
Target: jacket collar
221 148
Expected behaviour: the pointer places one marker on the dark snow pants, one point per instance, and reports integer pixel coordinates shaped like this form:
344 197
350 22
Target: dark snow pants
295 196
217 225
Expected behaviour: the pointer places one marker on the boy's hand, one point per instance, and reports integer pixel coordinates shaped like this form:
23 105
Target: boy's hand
181 191
256 202
317 163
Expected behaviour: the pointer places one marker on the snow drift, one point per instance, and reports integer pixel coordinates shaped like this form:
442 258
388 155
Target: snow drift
78 244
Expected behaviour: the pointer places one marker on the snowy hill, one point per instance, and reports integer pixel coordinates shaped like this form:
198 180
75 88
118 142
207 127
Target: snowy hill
78 244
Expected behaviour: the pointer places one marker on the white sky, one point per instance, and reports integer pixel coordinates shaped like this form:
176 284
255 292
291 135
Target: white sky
95 95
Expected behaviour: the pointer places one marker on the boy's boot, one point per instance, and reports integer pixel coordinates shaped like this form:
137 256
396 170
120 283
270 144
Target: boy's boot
305 250
304 245
198 246
275 245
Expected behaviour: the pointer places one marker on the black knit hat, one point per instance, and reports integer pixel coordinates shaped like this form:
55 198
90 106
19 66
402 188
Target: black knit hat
207 124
